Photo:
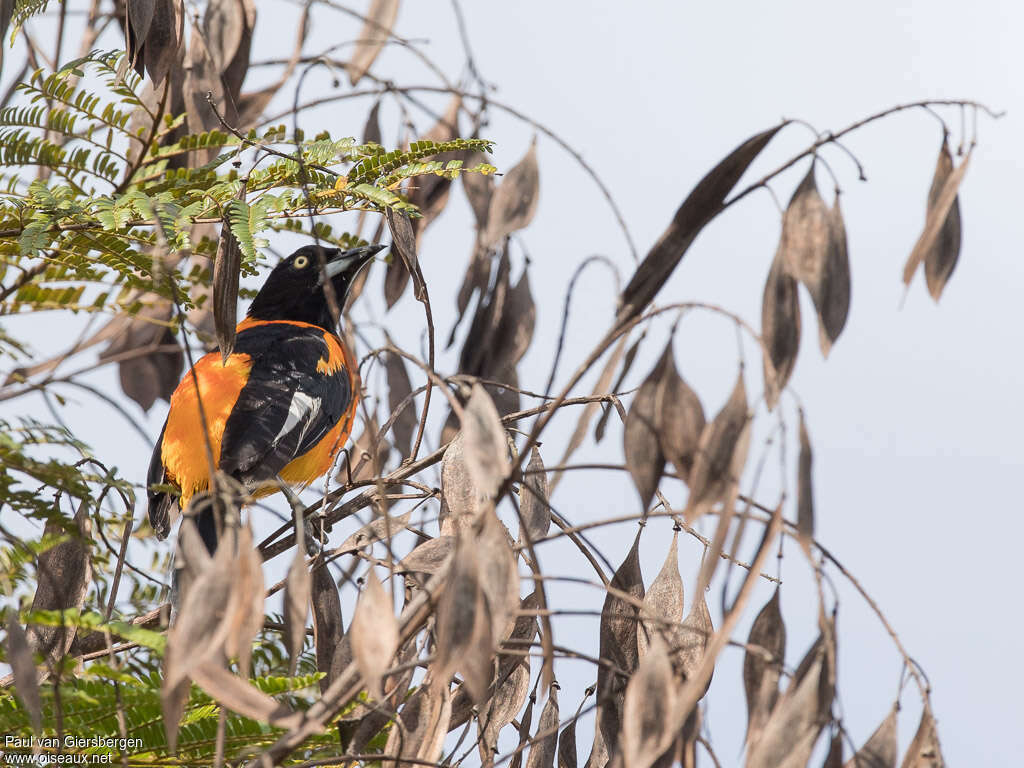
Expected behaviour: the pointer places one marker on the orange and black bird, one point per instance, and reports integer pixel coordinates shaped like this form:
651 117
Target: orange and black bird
279 408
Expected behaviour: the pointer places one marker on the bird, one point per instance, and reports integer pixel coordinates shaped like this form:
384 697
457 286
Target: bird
278 408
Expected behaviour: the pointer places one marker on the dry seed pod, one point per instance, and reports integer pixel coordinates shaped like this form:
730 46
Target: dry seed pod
663 604
881 750
834 758
803 711
23 669
937 239
780 328
464 638
701 206
486 447
835 301
380 18
924 751
514 201
298 588
64 575
328 626
399 388
649 708
542 753
679 417
374 634
644 458
425 719
805 495
690 642
761 675
941 258
618 631
533 500
567 746
720 455
805 236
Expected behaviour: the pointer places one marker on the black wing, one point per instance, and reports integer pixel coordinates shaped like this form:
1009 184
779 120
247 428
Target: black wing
286 407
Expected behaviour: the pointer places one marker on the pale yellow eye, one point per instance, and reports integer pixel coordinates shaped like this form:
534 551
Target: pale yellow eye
301 262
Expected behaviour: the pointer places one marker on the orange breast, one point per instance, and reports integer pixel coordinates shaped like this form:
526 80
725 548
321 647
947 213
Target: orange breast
184 450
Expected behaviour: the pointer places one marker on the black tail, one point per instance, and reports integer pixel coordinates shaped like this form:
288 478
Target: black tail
162 505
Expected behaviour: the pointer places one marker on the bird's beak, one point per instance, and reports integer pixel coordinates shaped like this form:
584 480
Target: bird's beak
351 261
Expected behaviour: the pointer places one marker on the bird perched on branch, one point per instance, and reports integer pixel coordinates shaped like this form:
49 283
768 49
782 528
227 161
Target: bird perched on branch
278 409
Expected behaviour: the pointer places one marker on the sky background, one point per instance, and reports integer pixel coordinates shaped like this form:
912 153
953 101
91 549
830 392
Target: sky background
915 416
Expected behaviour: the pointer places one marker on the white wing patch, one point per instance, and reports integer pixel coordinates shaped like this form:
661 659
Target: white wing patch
302 410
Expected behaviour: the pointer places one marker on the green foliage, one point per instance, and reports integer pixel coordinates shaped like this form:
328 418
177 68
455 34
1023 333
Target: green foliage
92 704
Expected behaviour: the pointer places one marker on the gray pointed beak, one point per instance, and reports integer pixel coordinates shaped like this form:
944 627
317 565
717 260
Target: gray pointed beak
351 261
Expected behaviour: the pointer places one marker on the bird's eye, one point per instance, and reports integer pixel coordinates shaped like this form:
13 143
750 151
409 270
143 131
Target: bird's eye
301 262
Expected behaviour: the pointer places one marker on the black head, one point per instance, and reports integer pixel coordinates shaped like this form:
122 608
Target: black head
294 290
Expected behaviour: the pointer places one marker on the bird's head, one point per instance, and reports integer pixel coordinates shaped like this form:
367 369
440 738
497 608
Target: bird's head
294 290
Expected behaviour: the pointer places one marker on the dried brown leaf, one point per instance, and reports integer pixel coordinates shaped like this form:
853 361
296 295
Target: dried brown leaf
371 131
399 388
534 509
644 458
940 238
679 416
328 625
542 752
924 751
298 588
380 18
649 708
802 712
64 573
663 604
701 206
761 675
241 696
780 329
720 455
524 733
476 355
514 201
881 750
23 669
403 256
374 634
805 490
